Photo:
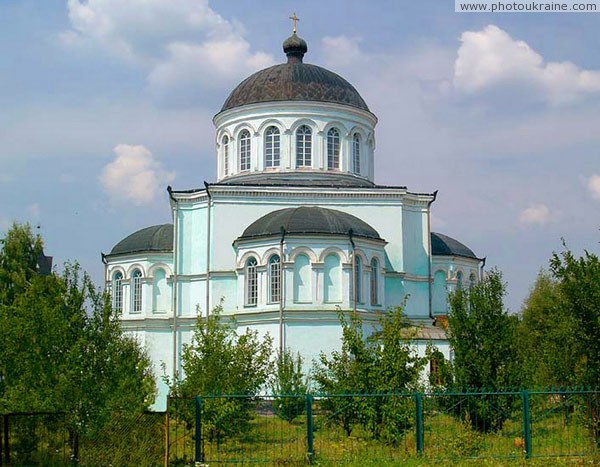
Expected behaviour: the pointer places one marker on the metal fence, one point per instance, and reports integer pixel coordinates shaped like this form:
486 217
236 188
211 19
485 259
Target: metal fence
336 429
48 439
352 428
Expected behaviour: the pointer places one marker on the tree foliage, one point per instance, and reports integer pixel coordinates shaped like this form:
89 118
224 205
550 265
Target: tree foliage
62 348
579 287
383 363
289 385
221 362
482 335
547 338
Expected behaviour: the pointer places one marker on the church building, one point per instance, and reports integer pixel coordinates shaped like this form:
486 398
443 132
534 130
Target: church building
293 230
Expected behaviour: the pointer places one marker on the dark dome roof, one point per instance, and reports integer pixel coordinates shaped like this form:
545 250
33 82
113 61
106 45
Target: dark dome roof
442 245
294 81
158 238
307 220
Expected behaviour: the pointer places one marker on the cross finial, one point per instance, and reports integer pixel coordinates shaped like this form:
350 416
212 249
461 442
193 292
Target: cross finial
294 18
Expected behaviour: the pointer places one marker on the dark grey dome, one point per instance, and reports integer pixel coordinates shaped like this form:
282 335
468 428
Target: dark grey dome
308 220
158 238
294 81
442 245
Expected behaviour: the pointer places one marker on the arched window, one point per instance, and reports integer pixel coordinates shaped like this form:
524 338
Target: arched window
136 295
117 291
274 279
303 146
356 153
459 280
472 279
333 149
225 144
357 279
244 140
374 282
251 282
272 147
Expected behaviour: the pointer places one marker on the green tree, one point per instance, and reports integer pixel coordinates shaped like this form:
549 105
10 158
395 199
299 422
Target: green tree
62 347
482 335
219 362
19 254
289 385
579 287
547 338
383 363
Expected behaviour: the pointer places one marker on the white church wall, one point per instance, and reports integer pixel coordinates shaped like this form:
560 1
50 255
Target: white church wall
287 117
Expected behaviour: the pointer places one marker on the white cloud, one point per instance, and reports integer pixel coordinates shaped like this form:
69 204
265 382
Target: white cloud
593 185
135 175
537 214
176 41
491 57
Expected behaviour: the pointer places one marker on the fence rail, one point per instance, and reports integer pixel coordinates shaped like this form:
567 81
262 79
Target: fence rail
340 429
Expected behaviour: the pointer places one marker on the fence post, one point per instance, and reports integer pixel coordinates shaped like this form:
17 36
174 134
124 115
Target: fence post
6 440
526 423
419 421
309 428
198 454
1 440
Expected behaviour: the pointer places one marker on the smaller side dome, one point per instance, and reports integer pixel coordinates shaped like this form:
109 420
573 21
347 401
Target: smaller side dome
442 245
309 220
157 238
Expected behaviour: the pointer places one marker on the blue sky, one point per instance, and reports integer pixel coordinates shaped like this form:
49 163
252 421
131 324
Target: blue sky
500 113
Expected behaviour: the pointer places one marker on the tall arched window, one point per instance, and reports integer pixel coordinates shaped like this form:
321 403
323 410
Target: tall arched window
244 140
272 147
356 153
459 280
117 291
303 146
374 282
225 144
136 295
251 282
357 279
274 279
333 149
472 279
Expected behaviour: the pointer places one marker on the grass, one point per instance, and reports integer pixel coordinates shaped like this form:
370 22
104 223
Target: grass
448 441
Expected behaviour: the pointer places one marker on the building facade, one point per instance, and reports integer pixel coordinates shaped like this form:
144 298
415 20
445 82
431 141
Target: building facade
293 230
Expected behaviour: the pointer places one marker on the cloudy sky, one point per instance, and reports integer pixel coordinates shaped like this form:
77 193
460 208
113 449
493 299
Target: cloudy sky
103 103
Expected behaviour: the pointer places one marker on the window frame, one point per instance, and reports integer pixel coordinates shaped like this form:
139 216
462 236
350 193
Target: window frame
304 146
225 145
245 150
374 282
356 144
334 142
251 282
274 279
117 292
272 147
136 291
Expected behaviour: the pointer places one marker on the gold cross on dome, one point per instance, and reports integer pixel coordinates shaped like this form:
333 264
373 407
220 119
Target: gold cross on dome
294 19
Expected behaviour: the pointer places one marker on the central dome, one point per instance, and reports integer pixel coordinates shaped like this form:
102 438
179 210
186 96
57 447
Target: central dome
294 81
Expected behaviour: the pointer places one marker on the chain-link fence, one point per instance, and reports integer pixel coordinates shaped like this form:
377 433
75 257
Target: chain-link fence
340 429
